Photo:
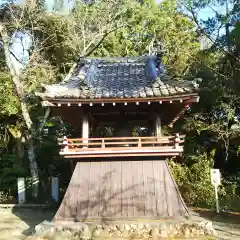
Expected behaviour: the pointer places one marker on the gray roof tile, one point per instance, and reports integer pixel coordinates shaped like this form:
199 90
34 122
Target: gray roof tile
118 78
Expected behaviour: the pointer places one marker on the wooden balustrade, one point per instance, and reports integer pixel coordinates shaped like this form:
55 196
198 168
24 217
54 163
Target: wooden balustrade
165 145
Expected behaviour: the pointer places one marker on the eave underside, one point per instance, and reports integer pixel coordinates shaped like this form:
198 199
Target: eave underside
188 98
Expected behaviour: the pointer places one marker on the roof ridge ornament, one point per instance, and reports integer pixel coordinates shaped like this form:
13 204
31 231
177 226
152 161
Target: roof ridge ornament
155 66
158 51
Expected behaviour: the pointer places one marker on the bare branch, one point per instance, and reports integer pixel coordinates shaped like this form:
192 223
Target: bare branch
47 113
15 79
101 41
220 47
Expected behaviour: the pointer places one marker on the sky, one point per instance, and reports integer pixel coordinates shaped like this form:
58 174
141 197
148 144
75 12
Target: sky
204 14
18 48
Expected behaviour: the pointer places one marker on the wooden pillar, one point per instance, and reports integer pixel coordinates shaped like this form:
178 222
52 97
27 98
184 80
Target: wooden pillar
158 127
93 130
85 127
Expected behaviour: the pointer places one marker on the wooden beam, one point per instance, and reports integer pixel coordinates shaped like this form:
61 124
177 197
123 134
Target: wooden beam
192 97
180 113
113 122
105 155
118 113
47 104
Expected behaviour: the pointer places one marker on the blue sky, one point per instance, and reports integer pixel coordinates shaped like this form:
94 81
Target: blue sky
208 12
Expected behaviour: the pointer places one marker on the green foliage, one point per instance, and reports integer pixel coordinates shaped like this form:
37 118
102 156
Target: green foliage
230 197
9 101
214 122
8 176
39 72
194 182
149 22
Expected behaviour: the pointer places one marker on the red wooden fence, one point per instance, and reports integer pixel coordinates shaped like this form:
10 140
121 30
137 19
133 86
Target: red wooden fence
122 145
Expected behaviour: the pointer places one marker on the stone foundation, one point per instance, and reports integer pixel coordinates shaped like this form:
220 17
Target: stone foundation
126 231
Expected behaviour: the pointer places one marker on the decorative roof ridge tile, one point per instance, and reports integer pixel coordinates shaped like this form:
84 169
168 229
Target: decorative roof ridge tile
118 59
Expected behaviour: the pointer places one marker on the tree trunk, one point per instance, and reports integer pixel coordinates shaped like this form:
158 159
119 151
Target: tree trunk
33 165
20 152
31 149
24 108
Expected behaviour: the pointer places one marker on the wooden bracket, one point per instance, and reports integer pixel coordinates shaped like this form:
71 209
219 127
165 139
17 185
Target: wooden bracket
186 106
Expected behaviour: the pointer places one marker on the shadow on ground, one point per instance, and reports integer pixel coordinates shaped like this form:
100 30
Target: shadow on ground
24 221
223 217
227 224
33 217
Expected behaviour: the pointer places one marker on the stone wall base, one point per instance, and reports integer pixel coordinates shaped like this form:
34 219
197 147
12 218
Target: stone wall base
160 230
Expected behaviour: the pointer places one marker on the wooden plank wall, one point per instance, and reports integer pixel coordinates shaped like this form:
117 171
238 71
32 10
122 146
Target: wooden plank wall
121 189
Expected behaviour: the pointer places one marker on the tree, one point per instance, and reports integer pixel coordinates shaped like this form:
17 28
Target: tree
107 28
148 23
37 29
215 119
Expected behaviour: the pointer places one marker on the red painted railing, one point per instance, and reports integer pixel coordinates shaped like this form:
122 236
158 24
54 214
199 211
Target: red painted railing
122 146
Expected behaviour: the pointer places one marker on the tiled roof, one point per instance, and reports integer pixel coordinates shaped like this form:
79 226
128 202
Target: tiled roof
119 78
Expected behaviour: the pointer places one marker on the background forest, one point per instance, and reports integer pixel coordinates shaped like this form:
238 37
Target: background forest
52 41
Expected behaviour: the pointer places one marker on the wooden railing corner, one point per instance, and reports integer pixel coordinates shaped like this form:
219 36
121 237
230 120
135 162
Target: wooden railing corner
65 144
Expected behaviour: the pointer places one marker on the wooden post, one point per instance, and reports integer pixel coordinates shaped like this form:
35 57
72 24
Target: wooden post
85 128
55 188
139 142
65 142
103 143
177 139
158 127
216 181
21 190
216 198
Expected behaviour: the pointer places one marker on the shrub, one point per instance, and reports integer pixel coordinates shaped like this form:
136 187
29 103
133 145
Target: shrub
194 182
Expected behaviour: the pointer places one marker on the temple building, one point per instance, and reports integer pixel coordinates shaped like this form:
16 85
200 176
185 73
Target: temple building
118 108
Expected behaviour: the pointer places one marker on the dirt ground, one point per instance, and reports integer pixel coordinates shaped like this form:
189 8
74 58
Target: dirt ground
226 224
16 224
